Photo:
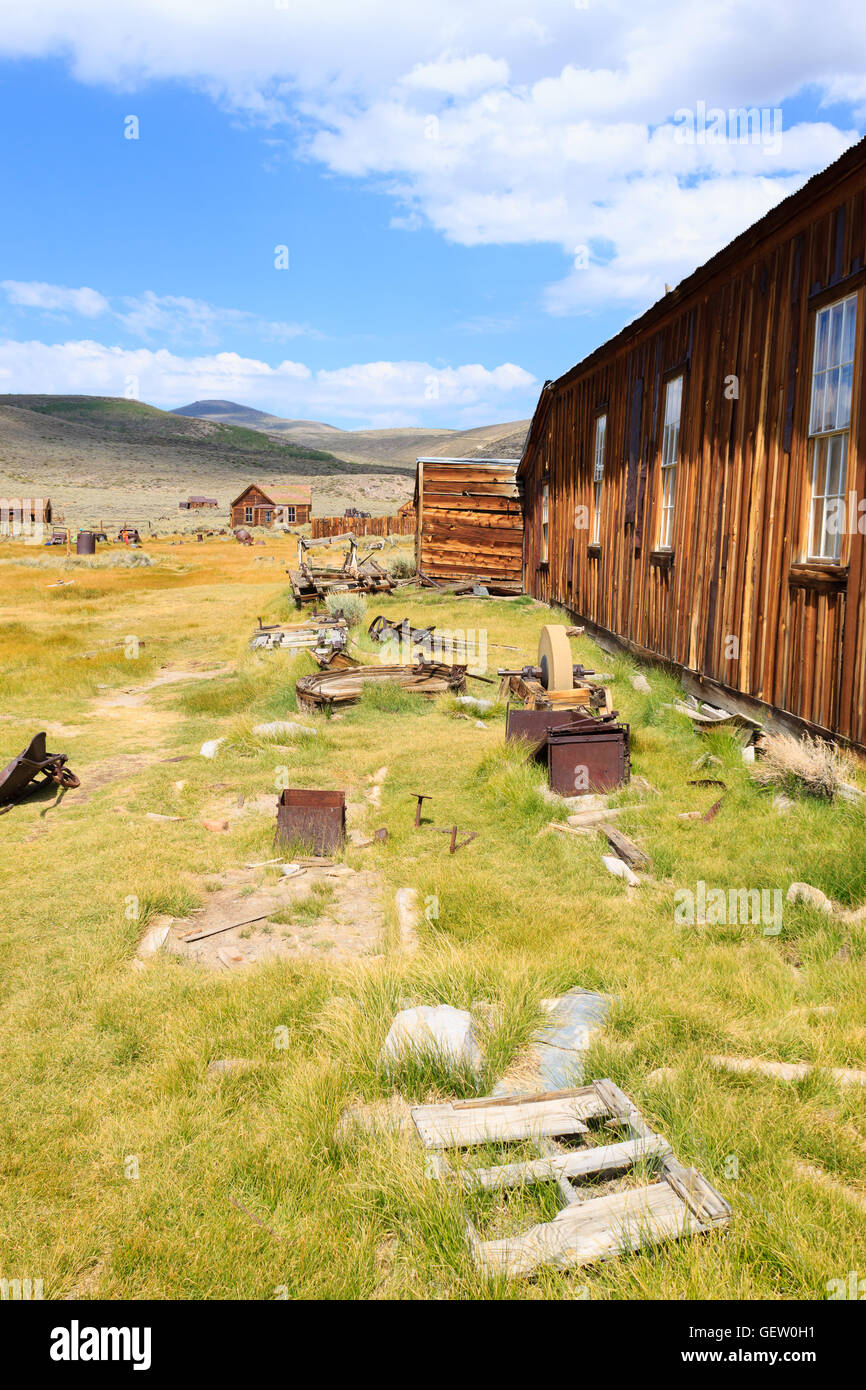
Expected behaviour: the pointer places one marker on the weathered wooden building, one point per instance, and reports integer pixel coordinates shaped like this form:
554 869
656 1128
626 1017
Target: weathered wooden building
469 520
263 505
695 487
196 503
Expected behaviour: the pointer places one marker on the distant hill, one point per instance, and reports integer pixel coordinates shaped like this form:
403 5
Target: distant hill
388 447
107 458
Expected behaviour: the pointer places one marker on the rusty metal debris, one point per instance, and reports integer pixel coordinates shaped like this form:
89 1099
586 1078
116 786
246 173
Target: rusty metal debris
313 818
468 837
330 688
420 797
32 763
382 629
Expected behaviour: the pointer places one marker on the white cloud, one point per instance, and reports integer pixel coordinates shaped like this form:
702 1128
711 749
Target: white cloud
493 126
366 391
35 294
175 318
458 76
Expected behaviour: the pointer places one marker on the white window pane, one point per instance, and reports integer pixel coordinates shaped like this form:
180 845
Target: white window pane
834 355
822 334
843 402
848 330
831 389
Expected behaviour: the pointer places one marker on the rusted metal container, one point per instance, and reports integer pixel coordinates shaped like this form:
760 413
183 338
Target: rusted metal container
535 724
86 543
316 819
588 758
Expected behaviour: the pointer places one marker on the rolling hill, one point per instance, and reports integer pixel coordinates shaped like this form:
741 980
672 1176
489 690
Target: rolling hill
107 459
104 458
391 446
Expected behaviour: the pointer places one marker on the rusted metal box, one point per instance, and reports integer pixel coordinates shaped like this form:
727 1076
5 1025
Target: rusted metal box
535 724
588 758
316 819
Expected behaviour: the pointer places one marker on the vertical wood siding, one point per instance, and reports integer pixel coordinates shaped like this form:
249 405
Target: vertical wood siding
735 600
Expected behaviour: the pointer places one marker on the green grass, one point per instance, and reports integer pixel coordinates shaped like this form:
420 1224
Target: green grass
101 1063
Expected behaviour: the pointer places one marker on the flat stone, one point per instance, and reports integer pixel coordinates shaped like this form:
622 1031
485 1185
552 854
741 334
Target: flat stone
438 1029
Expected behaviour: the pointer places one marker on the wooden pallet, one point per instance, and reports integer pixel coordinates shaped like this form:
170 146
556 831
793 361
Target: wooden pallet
680 1202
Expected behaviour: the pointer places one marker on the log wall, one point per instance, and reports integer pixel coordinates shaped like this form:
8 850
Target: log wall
469 520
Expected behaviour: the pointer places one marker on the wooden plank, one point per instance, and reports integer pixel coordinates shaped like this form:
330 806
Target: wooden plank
624 847
580 1163
442 1127
598 1229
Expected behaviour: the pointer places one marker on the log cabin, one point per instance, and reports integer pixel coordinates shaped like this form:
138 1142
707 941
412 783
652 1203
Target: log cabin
694 488
277 505
469 520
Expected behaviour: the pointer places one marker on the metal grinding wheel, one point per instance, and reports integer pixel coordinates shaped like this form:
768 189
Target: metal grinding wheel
554 658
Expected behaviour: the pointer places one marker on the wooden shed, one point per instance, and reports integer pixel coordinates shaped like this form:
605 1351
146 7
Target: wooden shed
267 505
694 489
469 520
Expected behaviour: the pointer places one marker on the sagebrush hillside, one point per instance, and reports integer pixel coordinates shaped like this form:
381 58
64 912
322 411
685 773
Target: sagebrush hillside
102 458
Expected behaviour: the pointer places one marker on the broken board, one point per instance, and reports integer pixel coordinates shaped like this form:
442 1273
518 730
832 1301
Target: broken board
677 1202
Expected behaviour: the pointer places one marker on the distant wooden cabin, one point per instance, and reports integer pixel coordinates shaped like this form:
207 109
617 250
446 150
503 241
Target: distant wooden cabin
23 513
693 487
469 520
197 504
260 505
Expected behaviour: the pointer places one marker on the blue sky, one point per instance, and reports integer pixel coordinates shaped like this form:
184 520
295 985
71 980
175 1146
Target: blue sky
471 200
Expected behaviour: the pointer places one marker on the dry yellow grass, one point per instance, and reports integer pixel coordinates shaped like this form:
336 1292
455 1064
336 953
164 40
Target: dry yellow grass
126 1170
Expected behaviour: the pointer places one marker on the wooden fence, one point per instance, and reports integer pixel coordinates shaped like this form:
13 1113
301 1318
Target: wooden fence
325 526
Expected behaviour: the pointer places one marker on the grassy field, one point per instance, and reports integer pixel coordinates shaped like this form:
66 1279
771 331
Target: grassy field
130 1171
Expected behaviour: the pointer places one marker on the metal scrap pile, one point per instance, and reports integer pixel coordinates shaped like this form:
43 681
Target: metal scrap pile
311 581
345 687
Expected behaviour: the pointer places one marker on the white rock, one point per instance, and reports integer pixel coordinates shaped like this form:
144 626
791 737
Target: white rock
212 747
154 938
640 682
473 702
428 1029
805 893
782 803
290 870
748 753
284 728
619 869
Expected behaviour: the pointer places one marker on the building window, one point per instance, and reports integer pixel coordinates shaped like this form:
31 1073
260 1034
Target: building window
829 422
248 514
670 457
598 476
267 518
545 523
290 514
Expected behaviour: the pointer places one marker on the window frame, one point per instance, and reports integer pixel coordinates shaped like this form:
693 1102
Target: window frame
816 438
544 558
666 516
248 516
599 456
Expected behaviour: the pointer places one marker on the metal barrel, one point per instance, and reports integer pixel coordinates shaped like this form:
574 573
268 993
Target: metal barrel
86 543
